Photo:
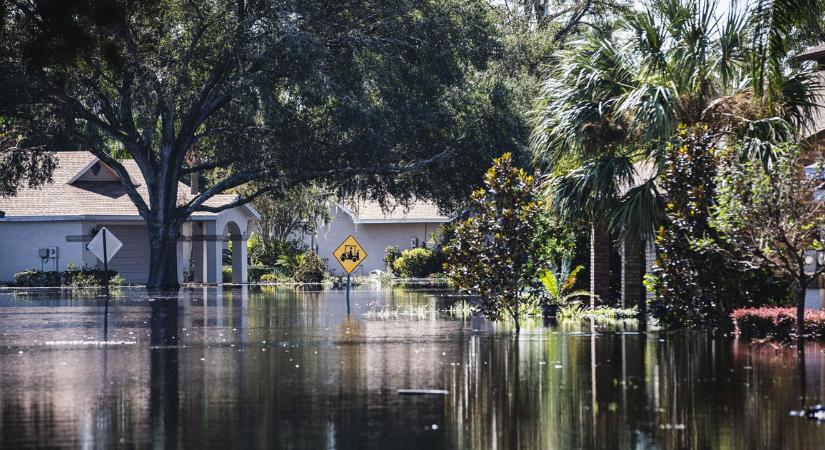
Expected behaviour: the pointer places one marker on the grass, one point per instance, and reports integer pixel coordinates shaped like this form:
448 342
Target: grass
460 308
420 312
579 311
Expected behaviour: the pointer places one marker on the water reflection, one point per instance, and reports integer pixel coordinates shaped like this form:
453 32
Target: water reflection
273 367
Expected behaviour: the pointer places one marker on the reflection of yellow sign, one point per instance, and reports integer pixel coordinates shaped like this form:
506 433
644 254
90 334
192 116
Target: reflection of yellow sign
350 254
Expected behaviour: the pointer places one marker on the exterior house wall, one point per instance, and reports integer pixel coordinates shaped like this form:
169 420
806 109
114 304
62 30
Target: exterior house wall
374 237
20 241
132 261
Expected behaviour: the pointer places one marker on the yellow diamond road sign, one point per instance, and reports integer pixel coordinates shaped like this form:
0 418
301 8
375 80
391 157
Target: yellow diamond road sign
350 254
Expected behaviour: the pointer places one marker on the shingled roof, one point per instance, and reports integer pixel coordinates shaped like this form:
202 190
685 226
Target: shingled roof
71 195
365 211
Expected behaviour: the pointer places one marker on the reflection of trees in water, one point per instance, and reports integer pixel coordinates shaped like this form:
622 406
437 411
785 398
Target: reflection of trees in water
164 394
342 393
511 394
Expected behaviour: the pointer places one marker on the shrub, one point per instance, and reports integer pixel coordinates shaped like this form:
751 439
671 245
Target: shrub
777 322
270 278
390 255
311 269
36 278
418 263
494 255
72 277
226 274
256 273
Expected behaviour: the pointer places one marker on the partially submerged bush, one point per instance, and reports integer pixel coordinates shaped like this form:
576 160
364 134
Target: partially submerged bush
776 322
390 255
271 278
256 272
311 269
72 277
418 263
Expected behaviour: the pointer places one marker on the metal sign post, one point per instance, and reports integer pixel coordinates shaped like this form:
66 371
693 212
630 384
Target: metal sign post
350 255
105 266
348 285
104 246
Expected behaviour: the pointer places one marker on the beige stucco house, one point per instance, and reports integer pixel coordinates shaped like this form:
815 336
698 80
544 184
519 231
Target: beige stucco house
85 195
376 228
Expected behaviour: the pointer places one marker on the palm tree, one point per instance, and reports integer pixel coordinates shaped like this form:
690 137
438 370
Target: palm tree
612 103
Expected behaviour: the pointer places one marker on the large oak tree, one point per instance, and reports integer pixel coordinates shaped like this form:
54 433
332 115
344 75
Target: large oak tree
363 94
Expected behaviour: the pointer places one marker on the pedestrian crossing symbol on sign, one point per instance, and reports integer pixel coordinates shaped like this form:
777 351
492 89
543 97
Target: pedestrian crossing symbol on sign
350 254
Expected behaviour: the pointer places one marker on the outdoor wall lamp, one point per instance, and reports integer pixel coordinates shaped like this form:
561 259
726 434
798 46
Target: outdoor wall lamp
813 260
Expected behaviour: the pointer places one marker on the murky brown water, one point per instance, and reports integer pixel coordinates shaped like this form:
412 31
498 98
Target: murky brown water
288 369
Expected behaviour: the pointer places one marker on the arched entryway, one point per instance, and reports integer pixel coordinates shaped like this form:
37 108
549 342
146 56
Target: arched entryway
209 240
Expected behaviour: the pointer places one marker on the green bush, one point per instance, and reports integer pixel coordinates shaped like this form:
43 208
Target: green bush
418 263
256 272
270 278
72 277
226 274
312 269
390 255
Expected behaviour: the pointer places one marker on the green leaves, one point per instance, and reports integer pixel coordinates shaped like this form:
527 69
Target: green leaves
494 255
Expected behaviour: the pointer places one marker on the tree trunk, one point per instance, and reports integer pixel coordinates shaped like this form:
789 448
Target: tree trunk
514 314
163 255
800 311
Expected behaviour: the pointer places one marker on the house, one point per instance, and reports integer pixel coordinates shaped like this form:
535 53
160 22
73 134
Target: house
814 134
376 228
61 218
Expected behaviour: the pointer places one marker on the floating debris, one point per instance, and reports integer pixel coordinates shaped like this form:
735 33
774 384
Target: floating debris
89 343
817 412
423 392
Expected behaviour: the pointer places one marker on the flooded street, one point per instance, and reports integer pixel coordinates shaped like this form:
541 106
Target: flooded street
263 367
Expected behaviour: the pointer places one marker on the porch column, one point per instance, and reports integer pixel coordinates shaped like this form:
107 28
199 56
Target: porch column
600 247
239 252
206 253
214 258
632 266
198 253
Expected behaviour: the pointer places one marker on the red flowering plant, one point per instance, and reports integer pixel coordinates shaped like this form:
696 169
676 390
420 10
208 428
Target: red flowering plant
776 322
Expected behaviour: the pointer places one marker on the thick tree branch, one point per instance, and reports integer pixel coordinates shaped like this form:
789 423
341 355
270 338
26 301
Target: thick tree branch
197 204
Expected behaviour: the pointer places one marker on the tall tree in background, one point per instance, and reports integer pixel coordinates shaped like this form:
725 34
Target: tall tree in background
288 216
279 92
613 102
771 217
611 106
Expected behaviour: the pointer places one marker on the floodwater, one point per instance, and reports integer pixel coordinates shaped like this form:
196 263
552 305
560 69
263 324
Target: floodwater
284 368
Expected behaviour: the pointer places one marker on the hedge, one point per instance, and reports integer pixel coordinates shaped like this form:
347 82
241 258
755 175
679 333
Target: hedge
255 272
418 263
776 322
72 277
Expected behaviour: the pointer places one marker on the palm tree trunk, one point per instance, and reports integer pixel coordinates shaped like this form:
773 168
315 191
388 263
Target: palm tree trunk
599 263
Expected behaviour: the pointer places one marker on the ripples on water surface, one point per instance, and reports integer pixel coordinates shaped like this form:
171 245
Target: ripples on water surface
265 367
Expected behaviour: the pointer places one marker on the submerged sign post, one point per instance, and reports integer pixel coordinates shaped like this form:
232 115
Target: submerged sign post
350 255
104 245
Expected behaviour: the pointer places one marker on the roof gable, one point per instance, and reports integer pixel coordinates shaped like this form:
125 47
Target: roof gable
95 171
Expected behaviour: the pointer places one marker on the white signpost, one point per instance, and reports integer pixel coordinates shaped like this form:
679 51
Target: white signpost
104 245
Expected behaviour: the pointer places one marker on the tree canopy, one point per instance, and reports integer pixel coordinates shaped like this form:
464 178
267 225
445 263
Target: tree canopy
362 95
